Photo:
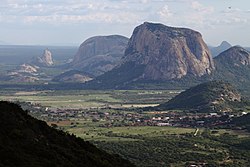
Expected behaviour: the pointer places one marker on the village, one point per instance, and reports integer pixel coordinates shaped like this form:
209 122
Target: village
119 117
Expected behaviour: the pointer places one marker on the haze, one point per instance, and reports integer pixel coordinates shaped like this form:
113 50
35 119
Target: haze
63 22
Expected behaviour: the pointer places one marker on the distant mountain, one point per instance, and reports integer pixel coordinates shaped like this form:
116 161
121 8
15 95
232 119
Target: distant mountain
233 65
19 54
45 60
211 96
26 141
215 51
73 76
99 54
157 52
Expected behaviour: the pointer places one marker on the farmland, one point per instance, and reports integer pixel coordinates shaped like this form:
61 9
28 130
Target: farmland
90 98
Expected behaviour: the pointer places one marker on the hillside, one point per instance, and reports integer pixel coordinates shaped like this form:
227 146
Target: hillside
233 66
26 141
156 52
211 96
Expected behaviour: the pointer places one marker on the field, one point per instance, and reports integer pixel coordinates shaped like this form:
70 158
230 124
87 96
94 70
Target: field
90 99
125 133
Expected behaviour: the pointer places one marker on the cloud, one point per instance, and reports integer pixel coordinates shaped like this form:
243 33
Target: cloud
165 12
201 8
89 18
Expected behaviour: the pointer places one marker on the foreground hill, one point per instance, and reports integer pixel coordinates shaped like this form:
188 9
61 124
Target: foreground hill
207 97
99 54
157 52
25 141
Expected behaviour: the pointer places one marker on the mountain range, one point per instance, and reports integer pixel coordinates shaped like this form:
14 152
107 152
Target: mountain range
156 52
155 57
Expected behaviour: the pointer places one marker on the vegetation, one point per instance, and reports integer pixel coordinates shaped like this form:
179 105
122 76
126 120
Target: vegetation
170 146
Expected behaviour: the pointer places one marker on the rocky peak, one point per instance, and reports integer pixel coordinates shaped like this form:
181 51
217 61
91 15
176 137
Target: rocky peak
219 49
47 58
225 44
44 60
168 52
236 56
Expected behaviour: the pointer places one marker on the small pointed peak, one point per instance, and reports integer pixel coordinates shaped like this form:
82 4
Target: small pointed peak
225 44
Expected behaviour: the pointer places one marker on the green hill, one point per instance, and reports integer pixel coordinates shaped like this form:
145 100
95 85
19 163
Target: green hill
207 97
26 141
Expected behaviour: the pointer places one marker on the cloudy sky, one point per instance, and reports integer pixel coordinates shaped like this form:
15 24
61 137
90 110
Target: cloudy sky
70 22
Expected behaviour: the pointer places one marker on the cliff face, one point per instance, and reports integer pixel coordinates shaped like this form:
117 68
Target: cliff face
100 54
168 52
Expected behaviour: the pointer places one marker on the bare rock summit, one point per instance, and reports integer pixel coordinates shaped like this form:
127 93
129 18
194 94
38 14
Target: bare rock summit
168 52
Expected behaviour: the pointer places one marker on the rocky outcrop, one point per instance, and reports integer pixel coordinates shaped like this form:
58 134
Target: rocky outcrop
23 73
99 54
26 68
44 60
73 76
168 52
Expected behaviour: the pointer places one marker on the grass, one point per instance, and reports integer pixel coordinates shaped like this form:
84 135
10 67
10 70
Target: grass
93 132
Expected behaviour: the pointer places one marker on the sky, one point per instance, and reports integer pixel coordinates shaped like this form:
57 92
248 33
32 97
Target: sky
70 22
